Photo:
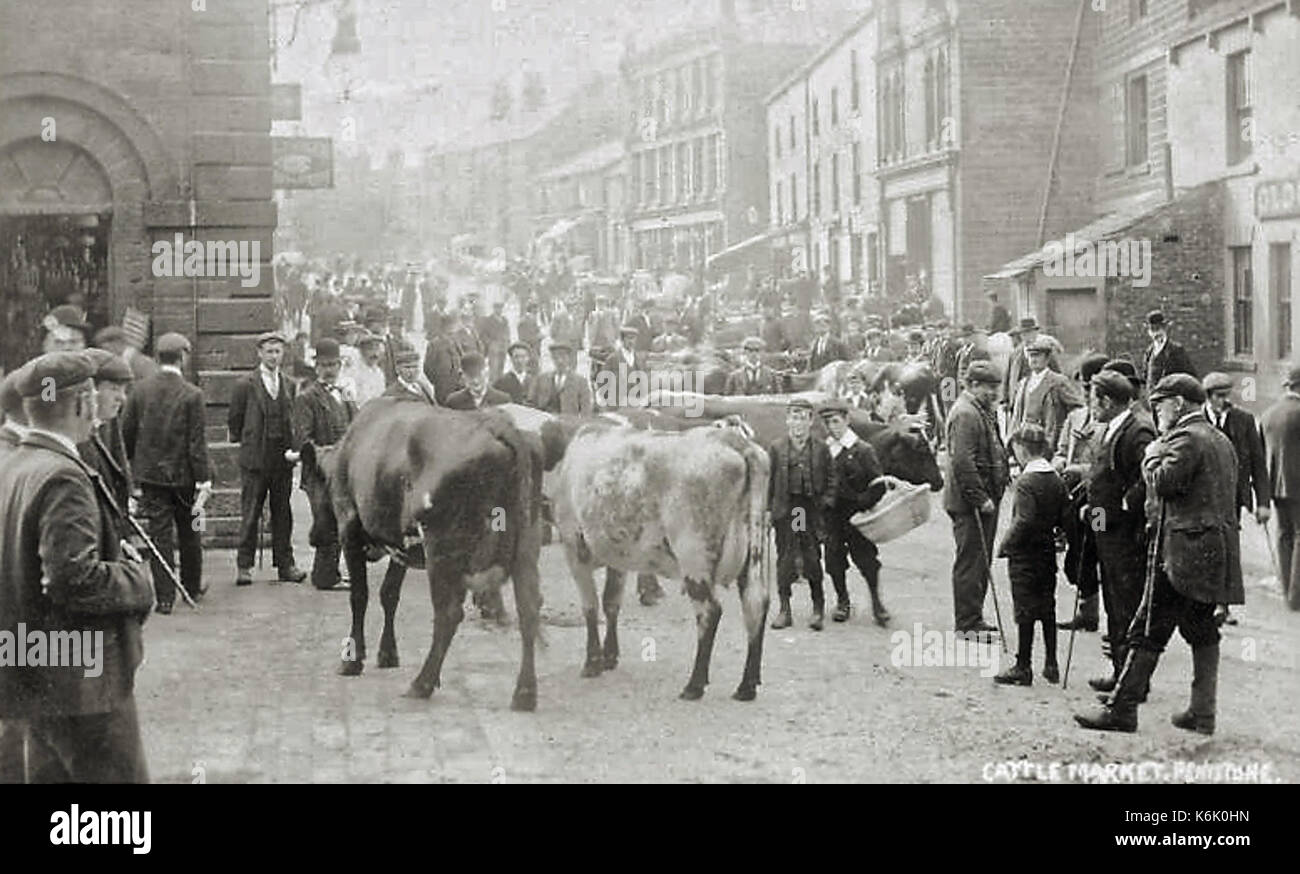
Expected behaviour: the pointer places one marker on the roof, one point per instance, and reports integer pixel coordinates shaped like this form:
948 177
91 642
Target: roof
589 161
1101 229
802 71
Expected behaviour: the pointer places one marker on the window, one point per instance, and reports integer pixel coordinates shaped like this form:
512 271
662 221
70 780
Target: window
701 73
873 264
669 176
794 198
943 107
776 141
817 189
855 91
835 182
688 92
931 111
1136 121
685 179
892 142
816 118
857 173
701 169
1279 270
649 175
1240 85
778 204
720 164
835 107
792 142
1243 304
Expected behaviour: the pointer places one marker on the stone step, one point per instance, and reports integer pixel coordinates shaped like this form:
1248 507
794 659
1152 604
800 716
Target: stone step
222 532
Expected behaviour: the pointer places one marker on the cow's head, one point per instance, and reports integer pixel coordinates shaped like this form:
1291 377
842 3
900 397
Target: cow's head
318 464
907 454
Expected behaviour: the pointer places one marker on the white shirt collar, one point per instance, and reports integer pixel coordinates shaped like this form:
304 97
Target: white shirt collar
171 368
1039 465
57 438
838 446
1116 422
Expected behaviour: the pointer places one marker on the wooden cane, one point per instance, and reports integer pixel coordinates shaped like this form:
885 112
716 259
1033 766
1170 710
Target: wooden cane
988 569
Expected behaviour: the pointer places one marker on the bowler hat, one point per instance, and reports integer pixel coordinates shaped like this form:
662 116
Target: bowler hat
982 371
109 367
1178 385
172 342
471 364
327 350
1113 384
1216 382
56 370
1126 368
916 337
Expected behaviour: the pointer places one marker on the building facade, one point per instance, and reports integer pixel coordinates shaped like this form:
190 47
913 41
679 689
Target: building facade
579 205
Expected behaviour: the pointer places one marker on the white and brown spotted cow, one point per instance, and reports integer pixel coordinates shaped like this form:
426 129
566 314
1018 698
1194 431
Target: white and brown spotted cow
685 505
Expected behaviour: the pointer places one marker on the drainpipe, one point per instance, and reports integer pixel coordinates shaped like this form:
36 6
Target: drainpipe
1060 122
1166 153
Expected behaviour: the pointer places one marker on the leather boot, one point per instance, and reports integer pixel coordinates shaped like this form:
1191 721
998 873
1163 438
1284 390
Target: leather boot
1199 716
1121 713
1019 674
783 619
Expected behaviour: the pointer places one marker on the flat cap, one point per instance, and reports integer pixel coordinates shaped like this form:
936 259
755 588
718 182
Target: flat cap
109 367
1090 365
67 316
1216 382
797 403
1155 318
405 357
1126 368
111 334
270 336
519 344
753 344
1178 385
560 346
1041 344
983 371
368 338
1029 323
172 342
11 400
1113 384
833 408
55 370
327 349
1031 434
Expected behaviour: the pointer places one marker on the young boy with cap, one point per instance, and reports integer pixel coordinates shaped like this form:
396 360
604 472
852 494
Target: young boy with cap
1038 508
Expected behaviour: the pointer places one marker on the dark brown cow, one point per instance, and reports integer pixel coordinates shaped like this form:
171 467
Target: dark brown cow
468 485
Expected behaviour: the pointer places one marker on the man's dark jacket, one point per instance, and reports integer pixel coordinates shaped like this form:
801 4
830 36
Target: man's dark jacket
163 432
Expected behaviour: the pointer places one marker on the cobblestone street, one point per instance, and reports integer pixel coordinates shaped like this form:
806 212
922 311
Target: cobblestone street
246 691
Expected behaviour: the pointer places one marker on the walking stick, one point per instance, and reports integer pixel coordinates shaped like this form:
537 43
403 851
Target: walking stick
988 569
139 532
1148 592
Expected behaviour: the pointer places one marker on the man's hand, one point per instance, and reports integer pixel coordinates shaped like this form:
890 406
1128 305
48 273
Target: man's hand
988 508
1263 513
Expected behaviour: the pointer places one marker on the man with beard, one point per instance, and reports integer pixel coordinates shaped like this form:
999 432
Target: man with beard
1190 472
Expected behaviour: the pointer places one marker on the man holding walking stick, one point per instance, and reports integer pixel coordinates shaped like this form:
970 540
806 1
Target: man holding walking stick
1190 473
977 477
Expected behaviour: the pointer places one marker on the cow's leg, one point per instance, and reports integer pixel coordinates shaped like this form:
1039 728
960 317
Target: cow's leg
389 594
585 579
754 599
354 554
447 589
613 599
528 606
707 613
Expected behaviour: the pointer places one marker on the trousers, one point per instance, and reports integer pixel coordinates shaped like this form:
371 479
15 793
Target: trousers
794 548
254 488
970 570
169 522
1122 555
1287 520
845 541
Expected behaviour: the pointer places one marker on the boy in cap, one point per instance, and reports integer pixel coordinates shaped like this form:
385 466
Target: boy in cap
856 485
64 569
1190 473
260 421
753 377
163 432
800 494
321 415
1163 356
825 348
476 394
1029 546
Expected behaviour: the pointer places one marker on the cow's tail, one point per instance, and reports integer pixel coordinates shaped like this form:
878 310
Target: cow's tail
756 477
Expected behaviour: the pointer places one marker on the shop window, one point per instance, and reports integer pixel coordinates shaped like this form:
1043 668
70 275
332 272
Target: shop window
1135 115
1279 268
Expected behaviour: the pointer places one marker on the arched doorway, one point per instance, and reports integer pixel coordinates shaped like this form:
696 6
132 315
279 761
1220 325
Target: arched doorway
55 221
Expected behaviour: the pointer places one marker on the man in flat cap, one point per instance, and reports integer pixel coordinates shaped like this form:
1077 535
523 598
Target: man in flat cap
1163 356
1076 447
800 494
476 394
1114 510
411 384
494 330
1018 363
1126 368
321 415
825 348
65 330
163 429
518 378
1253 492
977 477
855 485
113 338
915 353
1281 426
105 451
63 571
877 346
622 365
753 377
561 390
1190 472
260 421
1043 396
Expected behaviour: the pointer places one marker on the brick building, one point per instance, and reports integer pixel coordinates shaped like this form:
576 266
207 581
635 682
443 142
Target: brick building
978 160
122 125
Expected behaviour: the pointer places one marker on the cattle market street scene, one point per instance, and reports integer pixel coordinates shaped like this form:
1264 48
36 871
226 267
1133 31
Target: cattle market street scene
660 391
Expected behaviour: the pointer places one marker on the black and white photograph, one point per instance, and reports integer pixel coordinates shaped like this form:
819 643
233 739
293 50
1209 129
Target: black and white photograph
651 392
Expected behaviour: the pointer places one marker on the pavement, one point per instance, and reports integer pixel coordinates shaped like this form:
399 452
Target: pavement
245 690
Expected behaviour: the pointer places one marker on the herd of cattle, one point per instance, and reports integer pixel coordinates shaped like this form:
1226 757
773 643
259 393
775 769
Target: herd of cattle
634 490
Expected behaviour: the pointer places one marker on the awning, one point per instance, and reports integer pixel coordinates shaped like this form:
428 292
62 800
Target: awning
740 254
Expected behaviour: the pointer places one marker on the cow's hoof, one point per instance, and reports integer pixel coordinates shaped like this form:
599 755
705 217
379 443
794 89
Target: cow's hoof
387 660
692 693
593 667
350 669
611 662
745 693
524 701
417 691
